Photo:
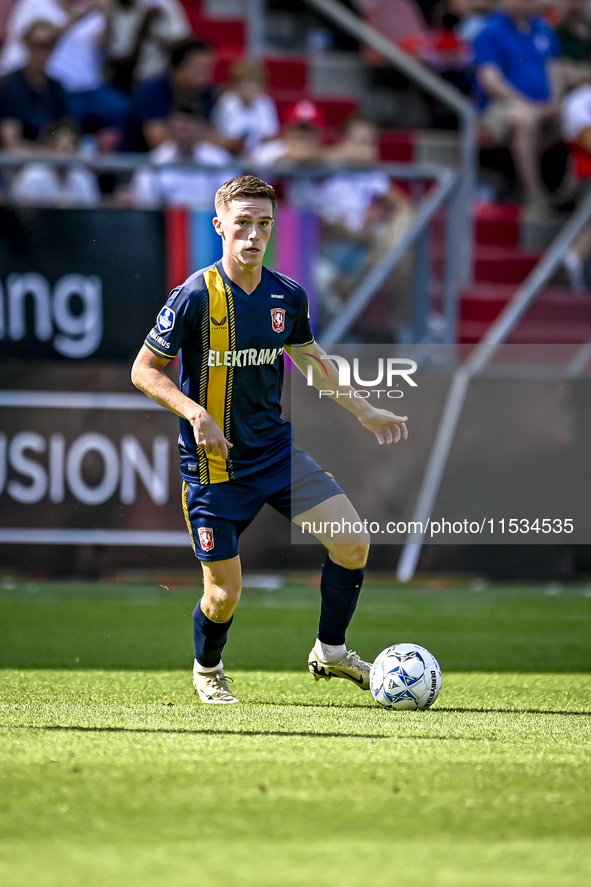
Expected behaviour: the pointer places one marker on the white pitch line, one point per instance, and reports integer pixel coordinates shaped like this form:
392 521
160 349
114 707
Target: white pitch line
77 400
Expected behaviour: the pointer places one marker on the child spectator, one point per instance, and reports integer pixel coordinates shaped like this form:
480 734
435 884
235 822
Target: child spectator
364 215
68 184
301 139
29 99
348 197
245 113
187 142
300 144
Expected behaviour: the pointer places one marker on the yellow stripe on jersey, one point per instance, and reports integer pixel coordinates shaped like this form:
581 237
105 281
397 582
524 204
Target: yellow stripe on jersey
203 379
218 405
157 351
232 325
186 512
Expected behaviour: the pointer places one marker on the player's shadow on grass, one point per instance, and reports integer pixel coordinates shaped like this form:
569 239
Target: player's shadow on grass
206 731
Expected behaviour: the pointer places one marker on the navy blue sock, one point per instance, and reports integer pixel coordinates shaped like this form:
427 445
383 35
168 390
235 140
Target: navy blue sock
209 637
340 589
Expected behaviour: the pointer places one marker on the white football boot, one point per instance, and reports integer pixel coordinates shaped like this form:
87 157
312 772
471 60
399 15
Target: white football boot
350 666
212 686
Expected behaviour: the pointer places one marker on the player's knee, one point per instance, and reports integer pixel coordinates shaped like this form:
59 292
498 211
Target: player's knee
221 589
228 596
352 557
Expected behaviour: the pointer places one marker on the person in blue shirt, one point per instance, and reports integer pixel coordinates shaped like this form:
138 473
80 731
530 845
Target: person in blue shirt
518 87
230 325
188 81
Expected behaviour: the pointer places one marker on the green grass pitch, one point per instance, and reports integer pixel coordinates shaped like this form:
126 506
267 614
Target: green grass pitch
113 775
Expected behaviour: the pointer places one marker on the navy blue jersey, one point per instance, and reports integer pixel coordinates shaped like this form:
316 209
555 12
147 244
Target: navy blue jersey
230 348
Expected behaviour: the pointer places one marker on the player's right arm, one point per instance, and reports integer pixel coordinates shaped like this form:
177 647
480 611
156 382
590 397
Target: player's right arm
148 375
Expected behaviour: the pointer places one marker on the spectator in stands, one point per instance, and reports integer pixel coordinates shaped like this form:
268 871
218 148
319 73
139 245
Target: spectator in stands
141 34
301 143
518 73
29 99
347 197
77 61
364 214
61 13
576 122
467 18
574 34
301 139
245 114
576 129
187 141
188 81
69 183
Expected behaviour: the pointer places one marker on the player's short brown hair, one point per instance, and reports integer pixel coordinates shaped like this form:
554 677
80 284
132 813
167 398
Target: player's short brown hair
244 186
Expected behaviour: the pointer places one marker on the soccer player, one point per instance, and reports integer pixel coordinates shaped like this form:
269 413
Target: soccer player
230 324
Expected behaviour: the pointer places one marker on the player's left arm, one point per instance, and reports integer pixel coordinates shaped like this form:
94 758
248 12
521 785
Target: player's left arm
385 425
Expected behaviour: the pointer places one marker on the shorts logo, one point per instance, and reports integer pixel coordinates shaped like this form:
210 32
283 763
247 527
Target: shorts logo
278 319
206 538
165 320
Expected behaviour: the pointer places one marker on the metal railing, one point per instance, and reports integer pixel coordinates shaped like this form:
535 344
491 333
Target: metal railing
481 355
448 95
444 192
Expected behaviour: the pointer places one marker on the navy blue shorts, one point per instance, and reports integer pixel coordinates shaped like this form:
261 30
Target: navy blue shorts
216 514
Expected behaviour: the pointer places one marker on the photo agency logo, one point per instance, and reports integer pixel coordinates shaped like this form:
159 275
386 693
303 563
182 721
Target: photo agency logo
389 373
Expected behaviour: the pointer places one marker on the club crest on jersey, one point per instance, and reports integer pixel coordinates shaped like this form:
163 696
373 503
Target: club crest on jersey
206 538
165 320
278 319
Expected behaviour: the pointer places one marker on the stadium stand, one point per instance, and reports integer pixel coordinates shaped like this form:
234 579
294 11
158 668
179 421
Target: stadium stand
289 75
501 261
501 265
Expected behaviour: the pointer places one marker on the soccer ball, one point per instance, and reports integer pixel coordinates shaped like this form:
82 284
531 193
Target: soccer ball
405 677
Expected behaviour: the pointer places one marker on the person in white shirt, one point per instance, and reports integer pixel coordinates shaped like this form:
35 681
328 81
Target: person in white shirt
245 114
69 184
576 117
347 197
300 144
576 131
77 60
183 186
364 215
14 53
